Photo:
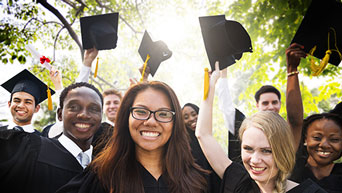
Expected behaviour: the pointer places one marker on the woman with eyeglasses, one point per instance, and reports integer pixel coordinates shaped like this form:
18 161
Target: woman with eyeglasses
149 150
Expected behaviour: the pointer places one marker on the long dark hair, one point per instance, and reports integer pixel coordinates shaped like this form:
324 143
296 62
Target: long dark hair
117 166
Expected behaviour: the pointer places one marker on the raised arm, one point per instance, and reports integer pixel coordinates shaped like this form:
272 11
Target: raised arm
294 105
212 150
225 102
89 57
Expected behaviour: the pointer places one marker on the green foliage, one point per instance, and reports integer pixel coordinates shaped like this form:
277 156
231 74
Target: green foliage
270 23
14 34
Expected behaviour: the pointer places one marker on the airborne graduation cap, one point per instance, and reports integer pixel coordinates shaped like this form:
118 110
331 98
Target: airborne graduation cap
224 40
153 53
25 81
100 31
321 33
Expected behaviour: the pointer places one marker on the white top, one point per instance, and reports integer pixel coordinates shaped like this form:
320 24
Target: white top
74 149
110 122
57 128
27 128
84 74
226 104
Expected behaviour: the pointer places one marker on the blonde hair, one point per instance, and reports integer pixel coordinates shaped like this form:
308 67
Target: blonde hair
281 140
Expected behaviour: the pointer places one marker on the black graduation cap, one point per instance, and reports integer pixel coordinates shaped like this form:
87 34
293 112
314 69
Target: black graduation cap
158 52
337 109
100 31
224 40
322 22
25 81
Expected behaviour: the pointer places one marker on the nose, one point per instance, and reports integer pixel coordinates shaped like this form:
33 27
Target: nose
151 119
255 158
324 143
21 104
83 114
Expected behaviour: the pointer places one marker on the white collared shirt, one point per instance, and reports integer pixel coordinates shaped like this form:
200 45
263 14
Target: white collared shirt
73 148
109 122
27 128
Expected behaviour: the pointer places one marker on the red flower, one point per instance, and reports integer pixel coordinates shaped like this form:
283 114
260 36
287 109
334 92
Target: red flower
44 59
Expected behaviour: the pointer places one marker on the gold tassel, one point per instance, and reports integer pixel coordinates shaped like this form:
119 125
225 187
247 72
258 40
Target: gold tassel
96 67
50 108
145 64
317 69
206 83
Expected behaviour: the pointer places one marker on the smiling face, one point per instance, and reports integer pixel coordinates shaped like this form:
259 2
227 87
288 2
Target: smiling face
111 105
257 156
324 142
269 101
81 115
190 117
150 135
22 107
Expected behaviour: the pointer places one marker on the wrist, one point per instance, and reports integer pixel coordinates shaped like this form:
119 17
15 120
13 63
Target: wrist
292 73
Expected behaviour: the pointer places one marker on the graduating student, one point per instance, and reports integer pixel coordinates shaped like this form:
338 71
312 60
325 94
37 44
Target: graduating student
322 147
31 163
27 92
267 151
149 150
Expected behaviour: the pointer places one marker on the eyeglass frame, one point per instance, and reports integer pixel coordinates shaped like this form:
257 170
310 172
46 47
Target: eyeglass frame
152 112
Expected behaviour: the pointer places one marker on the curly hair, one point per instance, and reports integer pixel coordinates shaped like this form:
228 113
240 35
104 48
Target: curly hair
77 85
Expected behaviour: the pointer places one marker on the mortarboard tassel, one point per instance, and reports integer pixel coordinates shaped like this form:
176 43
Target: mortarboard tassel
206 83
50 108
96 67
145 64
317 69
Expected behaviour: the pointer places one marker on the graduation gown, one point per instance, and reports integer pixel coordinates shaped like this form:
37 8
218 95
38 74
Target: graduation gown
302 171
213 180
237 180
31 163
88 182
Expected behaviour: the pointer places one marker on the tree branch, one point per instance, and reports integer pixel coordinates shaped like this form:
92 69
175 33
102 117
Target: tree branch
123 19
65 23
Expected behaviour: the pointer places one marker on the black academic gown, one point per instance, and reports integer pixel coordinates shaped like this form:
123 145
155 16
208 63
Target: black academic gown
2 128
237 180
34 164
88 182
213 180
302 171
100 139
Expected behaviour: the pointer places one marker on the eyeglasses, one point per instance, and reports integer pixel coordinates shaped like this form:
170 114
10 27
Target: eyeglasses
141 113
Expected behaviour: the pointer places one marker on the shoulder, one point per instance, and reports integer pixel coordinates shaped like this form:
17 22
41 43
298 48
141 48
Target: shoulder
237 179
86 182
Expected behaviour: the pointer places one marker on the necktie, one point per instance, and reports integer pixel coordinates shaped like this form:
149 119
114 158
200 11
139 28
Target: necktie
84 159
18 128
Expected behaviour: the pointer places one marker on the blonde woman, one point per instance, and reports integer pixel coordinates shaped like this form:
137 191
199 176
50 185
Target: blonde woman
267 152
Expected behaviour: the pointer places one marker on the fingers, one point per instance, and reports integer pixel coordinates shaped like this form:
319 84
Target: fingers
217 66
295 50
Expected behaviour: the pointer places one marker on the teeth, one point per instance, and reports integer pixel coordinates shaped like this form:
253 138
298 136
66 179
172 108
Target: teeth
323 153
257 169
149 134
82 125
